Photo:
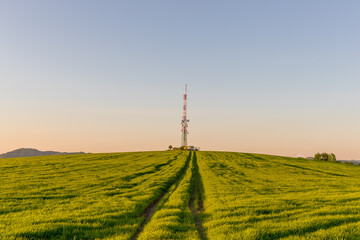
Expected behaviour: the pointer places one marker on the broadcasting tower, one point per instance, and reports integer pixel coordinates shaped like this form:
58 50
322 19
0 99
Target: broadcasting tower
184 122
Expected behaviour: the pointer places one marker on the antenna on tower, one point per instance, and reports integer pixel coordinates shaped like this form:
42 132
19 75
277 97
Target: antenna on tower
184 122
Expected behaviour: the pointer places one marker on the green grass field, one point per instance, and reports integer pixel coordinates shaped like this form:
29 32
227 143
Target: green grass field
178 195
82 196
252 196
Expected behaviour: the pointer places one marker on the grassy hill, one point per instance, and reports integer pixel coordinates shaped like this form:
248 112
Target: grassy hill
178 195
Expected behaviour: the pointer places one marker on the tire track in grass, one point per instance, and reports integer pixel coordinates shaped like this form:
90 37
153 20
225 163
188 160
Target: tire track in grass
150 210
196 203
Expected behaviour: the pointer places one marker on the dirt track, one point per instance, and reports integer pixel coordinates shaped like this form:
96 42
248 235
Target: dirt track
196 203
150 210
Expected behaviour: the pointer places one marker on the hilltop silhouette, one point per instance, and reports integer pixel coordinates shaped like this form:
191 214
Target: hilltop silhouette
31 152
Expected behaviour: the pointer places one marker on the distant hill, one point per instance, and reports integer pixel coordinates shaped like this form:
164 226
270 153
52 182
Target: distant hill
355 162
31 152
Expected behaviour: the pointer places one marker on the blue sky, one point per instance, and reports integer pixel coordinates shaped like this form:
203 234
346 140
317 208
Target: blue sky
277 77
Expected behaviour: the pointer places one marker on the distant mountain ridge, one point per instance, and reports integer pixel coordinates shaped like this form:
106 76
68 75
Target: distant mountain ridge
356 162
31 152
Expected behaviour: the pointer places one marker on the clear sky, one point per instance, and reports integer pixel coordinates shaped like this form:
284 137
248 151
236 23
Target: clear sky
276 77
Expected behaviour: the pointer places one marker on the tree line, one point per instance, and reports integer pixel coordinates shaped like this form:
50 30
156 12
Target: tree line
330 157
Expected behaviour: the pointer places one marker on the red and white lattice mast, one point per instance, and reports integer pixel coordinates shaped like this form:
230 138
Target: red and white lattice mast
184 122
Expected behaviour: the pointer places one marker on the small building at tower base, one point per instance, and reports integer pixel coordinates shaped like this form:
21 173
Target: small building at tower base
191 148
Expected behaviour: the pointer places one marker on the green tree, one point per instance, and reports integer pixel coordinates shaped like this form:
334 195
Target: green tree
332 157
317 156
170 147
324 157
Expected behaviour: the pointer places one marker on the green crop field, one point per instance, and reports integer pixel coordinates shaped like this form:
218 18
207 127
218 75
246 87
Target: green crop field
252 196
82 196
178 195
